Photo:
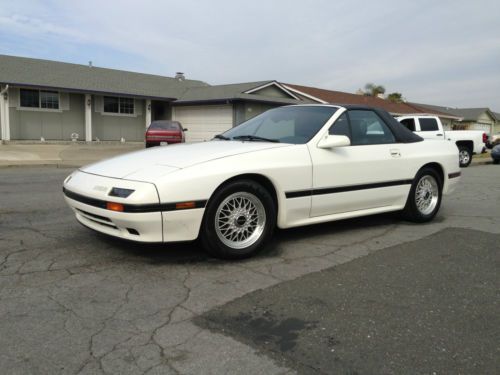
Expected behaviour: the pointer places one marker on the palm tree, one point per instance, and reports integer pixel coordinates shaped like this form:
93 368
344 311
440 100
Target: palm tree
395 97
373 89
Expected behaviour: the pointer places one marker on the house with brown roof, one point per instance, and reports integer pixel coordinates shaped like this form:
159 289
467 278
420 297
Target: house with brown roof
395 109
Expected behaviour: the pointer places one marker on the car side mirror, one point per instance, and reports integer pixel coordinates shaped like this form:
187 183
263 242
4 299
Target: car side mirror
331 141
185 129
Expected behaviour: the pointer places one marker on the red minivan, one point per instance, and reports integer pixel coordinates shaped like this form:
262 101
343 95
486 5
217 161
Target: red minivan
164 132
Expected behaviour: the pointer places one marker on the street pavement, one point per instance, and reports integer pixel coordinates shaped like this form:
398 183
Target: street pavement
76 154
73 301
427 307
69 154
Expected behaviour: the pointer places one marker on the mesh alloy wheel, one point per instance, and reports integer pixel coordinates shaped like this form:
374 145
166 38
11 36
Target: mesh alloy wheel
240 220
426 194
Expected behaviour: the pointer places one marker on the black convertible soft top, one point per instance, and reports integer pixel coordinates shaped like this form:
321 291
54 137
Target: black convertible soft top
402 134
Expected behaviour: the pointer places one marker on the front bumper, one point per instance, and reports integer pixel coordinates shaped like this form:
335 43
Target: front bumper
87 195
144 218
141 227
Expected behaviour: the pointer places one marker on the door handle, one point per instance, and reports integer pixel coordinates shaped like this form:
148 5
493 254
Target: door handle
395 153
439 135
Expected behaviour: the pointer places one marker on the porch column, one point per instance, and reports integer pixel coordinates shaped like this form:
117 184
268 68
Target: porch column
2 120
4 115
88 118
148 112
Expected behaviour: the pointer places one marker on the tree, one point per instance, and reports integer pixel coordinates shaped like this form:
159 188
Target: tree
373 89
395 97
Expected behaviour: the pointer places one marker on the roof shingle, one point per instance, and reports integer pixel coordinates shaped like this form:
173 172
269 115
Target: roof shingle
24 71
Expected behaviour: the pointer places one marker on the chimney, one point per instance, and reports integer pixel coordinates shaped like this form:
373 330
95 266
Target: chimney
180 76
90 64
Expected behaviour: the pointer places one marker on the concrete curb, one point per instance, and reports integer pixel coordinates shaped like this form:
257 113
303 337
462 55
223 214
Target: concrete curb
41 165
481 162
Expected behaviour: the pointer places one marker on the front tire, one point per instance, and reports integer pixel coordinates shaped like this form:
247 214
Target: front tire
425 196
464 156
239 220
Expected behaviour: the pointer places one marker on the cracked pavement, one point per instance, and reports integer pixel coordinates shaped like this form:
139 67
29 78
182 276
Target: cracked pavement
76 302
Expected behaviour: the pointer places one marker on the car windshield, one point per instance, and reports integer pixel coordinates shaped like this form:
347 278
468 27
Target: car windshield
294 124
165 125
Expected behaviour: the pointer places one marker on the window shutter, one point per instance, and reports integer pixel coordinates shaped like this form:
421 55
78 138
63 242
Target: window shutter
138 104
98 103
14 97
64 101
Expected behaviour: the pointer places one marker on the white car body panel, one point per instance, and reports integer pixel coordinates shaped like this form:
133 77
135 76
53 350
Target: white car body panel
192 173
163 160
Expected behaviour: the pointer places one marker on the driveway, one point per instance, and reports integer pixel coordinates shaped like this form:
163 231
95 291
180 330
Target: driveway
73 301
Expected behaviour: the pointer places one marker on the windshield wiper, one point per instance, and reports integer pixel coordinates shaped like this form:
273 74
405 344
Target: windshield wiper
223 137
249 137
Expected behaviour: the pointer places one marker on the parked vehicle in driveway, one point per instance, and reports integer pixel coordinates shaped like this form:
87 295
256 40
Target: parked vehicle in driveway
493 141
287 167
161 133
469 142
495 154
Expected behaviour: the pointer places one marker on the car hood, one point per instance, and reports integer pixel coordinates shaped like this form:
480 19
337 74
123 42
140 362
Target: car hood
157 161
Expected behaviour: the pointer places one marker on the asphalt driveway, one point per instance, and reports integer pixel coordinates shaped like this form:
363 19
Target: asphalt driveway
73 301
426 307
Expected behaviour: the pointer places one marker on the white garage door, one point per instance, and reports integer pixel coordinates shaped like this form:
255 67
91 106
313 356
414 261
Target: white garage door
203 122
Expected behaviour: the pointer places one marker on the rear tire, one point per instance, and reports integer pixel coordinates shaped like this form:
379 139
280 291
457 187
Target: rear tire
425 196
464 156
239 220
496 161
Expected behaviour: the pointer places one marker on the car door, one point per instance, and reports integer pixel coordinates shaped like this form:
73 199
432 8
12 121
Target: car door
370 173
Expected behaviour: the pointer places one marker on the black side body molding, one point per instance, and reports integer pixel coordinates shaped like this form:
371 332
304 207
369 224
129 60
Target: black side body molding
343 189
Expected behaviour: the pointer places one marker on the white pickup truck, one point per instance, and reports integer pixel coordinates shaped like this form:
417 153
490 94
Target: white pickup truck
430 127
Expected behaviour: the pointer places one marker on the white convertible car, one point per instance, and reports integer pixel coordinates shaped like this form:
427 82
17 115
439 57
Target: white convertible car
290 166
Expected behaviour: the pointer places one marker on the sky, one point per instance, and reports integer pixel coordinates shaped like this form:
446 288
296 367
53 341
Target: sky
435 52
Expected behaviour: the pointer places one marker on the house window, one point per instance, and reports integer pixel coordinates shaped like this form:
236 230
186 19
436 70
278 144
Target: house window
30 98
114 104
39 99
49 99
111 104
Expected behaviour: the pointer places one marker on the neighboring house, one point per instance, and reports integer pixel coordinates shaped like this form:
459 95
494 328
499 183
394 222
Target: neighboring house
470 118
50 100
210 110
395 109
53 100
497 123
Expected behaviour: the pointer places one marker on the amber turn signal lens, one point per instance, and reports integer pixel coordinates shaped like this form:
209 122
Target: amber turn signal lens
114 206
184 205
